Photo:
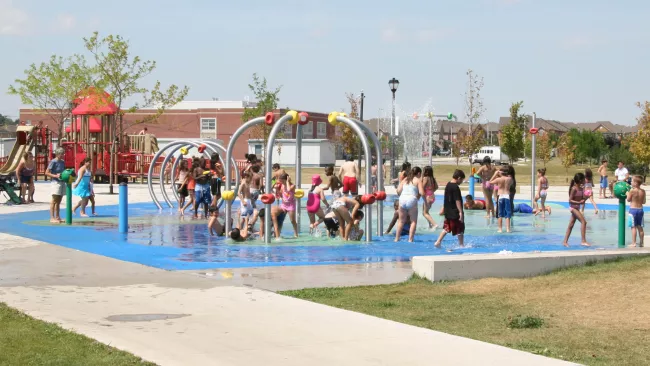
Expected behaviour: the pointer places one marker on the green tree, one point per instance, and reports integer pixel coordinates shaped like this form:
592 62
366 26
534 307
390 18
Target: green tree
474 111
567 153
121 75
348 139
640 142
544 147
6 120
512 134
51 87
266 101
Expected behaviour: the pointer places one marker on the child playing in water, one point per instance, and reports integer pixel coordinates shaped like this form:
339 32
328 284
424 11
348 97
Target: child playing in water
472 204
542 183
636 198
453 209
407 223
430 187
333 183
277 187
589 189
409 190
288 204
503 181
314 199
353 232
181 186
486 171
246 209
576 199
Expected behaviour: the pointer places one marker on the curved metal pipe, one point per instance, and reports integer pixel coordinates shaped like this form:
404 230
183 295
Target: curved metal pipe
364 141
268 160
298 170
164 165
151 167
231 147
380 174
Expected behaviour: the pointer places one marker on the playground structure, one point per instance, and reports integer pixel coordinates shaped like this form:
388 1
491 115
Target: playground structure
205 147
293 117
28 138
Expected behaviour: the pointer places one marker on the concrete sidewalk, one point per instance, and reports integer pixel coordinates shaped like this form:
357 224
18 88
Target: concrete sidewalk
174 318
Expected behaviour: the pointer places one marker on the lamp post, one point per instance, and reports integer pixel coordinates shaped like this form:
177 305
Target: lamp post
393 84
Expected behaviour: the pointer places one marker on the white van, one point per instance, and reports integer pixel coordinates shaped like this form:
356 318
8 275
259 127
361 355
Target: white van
493 152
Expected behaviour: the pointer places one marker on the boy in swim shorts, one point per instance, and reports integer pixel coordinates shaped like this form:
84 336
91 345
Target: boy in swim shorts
472 204
453 209
636 198
503 180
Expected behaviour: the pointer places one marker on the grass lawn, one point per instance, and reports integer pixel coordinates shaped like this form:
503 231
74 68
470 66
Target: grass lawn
28 341
555 172
596 315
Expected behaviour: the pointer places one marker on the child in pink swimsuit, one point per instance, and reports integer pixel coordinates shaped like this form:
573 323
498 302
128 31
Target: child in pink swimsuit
288 204
430 187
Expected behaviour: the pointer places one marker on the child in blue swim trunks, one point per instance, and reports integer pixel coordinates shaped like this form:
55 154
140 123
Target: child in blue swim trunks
636 198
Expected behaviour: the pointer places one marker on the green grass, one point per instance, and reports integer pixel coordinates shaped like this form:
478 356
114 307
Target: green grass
595 315
28 341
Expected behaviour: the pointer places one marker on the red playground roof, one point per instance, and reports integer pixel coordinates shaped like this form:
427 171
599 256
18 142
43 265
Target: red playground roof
94 125
94 103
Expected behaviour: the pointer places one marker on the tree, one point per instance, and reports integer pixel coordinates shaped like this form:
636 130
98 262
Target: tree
348 138
121 75
512 134
51 86
566 151
474 110
267 101
456 146
544 147
6 120
640 142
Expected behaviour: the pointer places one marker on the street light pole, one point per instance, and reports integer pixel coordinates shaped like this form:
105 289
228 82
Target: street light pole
393 83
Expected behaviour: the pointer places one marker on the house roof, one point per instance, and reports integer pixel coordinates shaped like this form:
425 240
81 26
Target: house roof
553 125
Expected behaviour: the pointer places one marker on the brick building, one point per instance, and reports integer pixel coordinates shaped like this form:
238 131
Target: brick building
193 120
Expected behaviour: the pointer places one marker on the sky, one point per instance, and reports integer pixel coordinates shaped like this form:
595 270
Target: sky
570 60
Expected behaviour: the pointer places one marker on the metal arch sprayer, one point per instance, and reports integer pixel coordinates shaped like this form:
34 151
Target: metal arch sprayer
231 146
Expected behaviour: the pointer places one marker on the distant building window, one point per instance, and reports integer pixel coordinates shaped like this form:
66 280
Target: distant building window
321 133
258 149
308 130
208 124
288 131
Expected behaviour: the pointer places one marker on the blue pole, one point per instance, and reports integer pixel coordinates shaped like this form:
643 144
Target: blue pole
124 208
471 186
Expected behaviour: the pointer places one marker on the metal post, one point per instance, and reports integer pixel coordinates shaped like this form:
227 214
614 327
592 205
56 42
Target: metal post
533 157
621 223
430 140
267 173
470 181
360 146
392 142
380 175
298 170
364 141
124 208
231 147
68 203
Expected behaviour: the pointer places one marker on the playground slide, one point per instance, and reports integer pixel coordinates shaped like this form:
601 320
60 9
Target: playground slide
14 159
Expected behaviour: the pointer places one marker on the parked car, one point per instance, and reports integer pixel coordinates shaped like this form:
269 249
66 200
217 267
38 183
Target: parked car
445 152
493 152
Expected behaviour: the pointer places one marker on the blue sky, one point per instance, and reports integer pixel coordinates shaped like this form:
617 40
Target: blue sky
570 60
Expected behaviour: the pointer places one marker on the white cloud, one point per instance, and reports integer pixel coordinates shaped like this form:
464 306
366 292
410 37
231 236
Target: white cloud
390 35
65 22
13 21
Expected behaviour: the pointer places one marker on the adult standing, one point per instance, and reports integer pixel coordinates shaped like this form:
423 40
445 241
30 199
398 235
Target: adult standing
54 170
25 175
622 175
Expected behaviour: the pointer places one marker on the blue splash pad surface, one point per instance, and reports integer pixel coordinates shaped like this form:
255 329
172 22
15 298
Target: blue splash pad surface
164 240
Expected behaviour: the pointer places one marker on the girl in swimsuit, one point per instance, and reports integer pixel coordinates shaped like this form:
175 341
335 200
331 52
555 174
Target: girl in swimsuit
576 199
410 190
315 196
430 186
288 204
486 171
181 187
589 186
81 187
191 186
542 182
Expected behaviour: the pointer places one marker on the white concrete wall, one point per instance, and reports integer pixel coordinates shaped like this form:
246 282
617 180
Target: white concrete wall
315 152
6 144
